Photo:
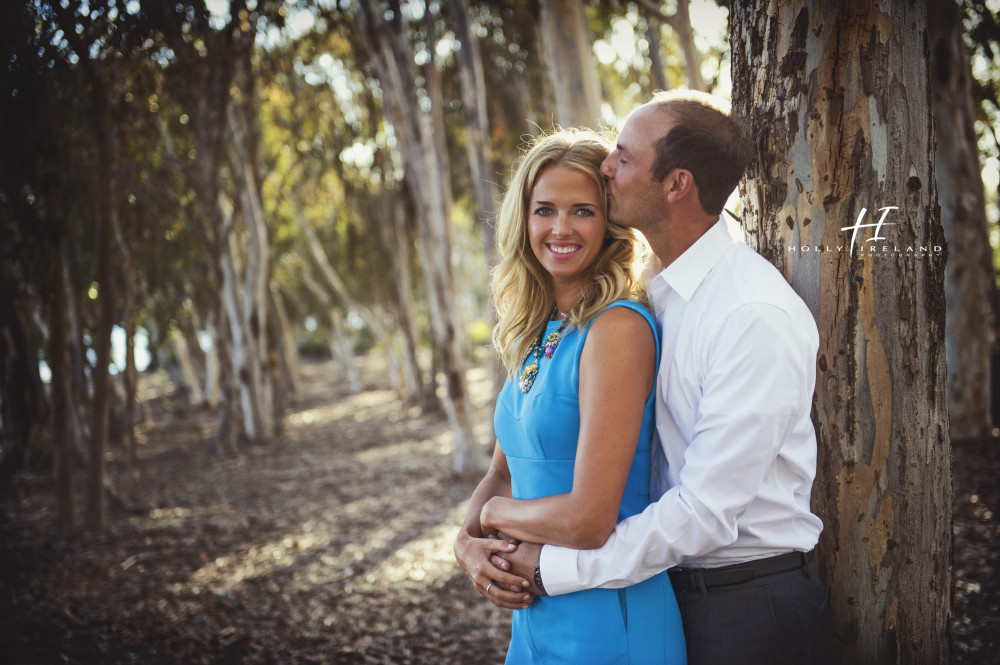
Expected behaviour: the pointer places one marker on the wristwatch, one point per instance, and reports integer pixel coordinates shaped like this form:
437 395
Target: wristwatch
538 577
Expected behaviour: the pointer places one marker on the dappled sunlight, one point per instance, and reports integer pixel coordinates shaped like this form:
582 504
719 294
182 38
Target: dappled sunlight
356 407
423 562
324 564
392 452
338 536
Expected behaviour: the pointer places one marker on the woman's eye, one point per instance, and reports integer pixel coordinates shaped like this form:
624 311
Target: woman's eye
585 212
542 210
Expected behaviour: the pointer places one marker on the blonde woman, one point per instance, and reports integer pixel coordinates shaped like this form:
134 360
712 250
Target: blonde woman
575 419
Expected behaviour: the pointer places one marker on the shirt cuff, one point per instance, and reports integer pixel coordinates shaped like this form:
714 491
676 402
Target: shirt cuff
558 566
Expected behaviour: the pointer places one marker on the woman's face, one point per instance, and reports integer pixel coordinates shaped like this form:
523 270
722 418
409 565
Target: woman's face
566 224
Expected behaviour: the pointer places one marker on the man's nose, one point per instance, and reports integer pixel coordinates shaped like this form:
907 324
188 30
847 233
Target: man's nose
606 167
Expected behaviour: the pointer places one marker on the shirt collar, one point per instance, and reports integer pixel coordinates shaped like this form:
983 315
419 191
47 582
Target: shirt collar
689 269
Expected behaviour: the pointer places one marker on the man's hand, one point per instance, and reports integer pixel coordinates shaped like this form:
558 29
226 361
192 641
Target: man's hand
522 562
502 588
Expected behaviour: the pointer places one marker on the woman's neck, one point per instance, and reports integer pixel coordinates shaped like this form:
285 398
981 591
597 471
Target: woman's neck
567 299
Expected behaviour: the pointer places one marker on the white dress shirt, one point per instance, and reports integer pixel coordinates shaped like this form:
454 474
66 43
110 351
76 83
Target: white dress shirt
736 459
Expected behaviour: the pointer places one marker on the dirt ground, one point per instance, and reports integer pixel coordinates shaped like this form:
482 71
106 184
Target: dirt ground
330 545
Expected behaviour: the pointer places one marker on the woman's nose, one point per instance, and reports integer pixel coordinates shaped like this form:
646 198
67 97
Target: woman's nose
560 223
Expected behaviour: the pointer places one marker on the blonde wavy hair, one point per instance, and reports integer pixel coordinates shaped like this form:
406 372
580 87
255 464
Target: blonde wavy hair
522 289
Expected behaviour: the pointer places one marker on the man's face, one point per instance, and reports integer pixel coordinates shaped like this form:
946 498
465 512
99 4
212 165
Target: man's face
635 200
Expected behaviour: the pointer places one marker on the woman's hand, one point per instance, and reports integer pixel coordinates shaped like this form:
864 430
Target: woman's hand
503 589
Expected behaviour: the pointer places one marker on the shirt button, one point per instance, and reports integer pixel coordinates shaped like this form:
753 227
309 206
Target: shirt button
656 467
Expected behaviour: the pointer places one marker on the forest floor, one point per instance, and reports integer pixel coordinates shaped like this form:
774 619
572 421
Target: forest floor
332 544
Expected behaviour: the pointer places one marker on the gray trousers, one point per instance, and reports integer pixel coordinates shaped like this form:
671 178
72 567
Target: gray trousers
773 620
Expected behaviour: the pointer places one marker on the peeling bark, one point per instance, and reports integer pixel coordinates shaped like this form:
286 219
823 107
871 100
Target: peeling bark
838 101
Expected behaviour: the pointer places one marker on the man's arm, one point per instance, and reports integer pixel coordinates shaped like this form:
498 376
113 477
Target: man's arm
753 374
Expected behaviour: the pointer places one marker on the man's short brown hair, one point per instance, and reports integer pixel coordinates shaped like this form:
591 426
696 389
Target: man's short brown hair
705 140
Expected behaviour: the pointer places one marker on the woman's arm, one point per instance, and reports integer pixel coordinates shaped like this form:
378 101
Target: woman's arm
473 549
617 373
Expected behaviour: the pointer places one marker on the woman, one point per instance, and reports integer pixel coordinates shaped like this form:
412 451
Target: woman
575 419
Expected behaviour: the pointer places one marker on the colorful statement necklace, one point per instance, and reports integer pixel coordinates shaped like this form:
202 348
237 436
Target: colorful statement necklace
540 349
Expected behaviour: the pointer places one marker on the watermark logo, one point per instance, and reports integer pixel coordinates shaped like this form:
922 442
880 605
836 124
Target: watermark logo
877 245
878 226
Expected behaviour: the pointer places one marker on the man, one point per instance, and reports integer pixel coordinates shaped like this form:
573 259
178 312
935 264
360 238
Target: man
733 471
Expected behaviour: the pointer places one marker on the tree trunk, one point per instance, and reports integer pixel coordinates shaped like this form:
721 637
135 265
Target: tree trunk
96 503
343 351
131 384
680 23
76 387
289 360
240 348
130 316
226 436
341 348
477 126
656 69
212 362
395 243
569 53
189 326
478 149
837 99
23 409
282 394
335 284
969 288
392 57
60 403
685 35
256 291
186 364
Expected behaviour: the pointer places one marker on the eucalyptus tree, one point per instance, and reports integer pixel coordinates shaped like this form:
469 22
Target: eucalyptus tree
569 59
35 141
970 287
328 175
420 150
208 69
843 199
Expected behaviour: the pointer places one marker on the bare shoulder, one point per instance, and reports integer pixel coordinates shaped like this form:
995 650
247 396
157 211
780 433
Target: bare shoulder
621 329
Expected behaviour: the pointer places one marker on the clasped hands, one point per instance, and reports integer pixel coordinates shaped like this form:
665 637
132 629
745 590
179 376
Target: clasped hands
500 567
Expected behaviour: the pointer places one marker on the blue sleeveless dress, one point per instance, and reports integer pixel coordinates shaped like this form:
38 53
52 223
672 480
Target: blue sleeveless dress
538 433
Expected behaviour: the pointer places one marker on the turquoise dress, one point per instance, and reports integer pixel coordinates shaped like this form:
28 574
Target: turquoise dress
538 433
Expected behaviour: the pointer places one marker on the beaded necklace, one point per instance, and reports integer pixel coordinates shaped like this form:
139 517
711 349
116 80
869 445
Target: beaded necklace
540 349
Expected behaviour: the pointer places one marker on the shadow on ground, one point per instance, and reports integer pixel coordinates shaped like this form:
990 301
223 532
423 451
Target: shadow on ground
330 545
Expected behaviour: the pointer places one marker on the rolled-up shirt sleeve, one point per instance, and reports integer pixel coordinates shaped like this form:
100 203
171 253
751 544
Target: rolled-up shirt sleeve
747 382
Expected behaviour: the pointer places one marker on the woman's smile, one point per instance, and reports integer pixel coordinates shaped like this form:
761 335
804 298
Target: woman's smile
563 249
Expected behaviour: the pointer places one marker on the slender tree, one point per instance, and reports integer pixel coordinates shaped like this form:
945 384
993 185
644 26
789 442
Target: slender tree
970 290
393 61
94 48
838 100
680 23
569 55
